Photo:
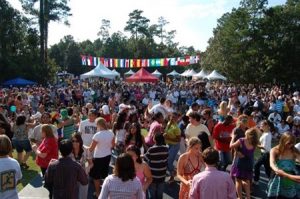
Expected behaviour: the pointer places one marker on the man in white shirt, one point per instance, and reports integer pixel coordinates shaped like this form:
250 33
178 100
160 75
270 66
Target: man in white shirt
159 108
243 98
275 118
88 127
296 108
195 128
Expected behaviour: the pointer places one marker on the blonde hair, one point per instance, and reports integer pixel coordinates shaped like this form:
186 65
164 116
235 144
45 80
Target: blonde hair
252 136
284 140
48 130
223 109
5 145
101 122
193 141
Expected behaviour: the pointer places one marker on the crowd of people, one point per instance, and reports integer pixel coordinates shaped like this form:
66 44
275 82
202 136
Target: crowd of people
133 140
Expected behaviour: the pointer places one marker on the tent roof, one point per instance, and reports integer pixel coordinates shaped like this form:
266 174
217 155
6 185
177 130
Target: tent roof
99 71
130 72
156 72
191 73
188 73
185 72
116 72
173 73
215 75
201 74
18 82
142 76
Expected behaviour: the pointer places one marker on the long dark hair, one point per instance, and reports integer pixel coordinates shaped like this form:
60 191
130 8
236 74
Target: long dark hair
121 119
124 168
20 120
78 137
138 135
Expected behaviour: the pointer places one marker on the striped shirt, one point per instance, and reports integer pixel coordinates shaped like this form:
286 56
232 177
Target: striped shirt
157 158
114 187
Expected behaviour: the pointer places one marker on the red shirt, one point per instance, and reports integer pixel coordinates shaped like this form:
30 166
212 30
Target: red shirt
222 136
49 146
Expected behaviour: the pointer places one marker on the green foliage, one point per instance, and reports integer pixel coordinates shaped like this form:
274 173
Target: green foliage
256 44
137 24
49 10
18 45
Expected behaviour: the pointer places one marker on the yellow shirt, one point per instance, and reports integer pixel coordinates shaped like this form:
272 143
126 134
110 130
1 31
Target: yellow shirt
172 132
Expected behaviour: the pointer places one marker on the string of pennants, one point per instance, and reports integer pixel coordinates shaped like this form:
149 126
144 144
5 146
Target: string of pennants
137 63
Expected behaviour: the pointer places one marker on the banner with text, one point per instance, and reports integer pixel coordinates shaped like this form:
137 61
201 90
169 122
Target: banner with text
137 63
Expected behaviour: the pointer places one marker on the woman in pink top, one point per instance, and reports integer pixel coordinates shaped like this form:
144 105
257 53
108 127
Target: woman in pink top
143 172
155 127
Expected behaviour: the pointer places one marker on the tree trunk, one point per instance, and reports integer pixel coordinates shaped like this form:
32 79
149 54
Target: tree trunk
42 34
46 23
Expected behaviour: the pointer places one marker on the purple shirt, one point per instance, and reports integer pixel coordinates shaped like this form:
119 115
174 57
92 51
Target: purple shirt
212 184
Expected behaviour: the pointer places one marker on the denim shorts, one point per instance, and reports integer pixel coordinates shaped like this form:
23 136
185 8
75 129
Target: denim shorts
21 145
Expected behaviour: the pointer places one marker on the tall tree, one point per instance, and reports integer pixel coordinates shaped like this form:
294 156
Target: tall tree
162 22
18 44
137 24
104 30
49 10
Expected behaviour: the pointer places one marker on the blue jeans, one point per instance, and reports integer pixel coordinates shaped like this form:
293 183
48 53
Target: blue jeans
225 160
173 151
156 190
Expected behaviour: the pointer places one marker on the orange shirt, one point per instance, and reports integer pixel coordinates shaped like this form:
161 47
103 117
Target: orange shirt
251 123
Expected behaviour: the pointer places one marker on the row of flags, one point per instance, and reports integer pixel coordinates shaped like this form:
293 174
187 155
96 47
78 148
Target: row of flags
137 63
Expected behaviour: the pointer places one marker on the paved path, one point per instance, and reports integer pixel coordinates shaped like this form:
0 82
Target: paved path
35 189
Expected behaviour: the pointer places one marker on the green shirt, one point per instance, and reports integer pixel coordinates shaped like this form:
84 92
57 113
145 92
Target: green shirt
172 131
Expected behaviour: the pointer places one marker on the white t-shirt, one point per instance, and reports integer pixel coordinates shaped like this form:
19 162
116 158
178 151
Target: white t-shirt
10 173
120 135
104 143
122 107
266 141
282 129
194 131
87 130
242 99
105 109
159 108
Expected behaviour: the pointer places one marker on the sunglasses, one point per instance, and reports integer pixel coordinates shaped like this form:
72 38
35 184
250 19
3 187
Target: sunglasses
74 141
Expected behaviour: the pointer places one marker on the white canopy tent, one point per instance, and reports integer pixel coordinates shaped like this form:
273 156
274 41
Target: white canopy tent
190 73
173 73
201 74
116 72
215 76
156 73
185 72
99 71
130 72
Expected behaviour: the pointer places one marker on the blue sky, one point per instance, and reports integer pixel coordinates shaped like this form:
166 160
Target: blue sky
194 20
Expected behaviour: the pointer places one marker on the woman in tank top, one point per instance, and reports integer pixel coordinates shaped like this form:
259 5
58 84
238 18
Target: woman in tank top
142 170
189 164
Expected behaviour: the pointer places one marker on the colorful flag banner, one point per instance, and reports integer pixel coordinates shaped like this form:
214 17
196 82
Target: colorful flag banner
137 63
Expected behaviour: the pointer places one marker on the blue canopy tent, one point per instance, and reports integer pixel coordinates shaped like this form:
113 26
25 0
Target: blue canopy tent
18 82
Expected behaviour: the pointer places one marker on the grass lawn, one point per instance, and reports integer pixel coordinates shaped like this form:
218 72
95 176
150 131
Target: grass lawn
28 174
